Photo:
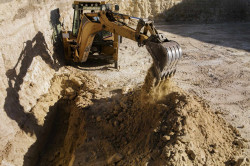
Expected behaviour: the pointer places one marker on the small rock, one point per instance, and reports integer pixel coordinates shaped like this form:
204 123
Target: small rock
88 95
239 143
180 151
65 97
166 138
69 91
177 142
115 158
76 81
130 152
99 118
32 84
120 117
176 158
184 139
124 140
236 132
125 90
178 128
191 154
241 127
184 121
241 161
164 129
122 126
168 154
115 112
171 133
116 123
72 97
213 146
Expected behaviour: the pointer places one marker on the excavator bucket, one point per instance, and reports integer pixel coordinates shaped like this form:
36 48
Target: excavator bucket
165 57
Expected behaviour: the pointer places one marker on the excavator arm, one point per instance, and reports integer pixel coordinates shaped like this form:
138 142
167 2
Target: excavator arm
165 53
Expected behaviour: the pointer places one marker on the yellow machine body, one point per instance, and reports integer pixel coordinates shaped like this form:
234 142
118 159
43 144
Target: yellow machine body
78 47
97 30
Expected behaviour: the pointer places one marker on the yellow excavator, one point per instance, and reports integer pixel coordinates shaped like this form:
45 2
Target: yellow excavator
98 30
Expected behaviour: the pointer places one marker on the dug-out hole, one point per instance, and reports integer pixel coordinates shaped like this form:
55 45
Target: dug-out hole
62 133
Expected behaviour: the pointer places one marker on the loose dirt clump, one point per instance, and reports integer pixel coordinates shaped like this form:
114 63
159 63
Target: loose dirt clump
157 125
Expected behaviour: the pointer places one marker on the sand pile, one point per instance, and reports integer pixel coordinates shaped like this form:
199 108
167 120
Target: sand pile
157 125
75 124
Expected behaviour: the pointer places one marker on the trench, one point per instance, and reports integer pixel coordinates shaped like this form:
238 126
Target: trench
66 134
60 121
61 135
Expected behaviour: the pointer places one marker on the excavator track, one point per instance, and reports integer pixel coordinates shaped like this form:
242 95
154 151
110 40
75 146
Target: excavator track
165 57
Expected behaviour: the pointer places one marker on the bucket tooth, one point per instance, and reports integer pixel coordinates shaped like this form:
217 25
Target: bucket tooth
165 57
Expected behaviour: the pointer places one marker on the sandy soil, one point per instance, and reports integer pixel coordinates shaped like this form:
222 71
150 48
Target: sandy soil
159 125
92 114
150 125
215 67
96 115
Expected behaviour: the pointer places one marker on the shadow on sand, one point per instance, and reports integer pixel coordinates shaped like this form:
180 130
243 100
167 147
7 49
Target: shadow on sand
208 11
33 48
12 106
227 14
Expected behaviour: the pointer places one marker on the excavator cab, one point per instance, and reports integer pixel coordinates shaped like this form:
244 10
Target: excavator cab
81 7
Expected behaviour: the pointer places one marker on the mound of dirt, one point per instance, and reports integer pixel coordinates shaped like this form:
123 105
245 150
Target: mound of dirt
157 125
75 124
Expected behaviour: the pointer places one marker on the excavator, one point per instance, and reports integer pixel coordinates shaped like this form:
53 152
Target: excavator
98 30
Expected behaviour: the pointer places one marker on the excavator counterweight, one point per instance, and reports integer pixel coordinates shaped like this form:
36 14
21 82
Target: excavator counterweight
98 30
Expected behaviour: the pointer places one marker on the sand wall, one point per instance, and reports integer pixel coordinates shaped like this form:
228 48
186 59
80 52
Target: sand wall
188 10
28 62
209 11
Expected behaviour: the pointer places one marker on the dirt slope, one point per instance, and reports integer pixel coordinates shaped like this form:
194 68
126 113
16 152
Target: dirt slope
157 126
